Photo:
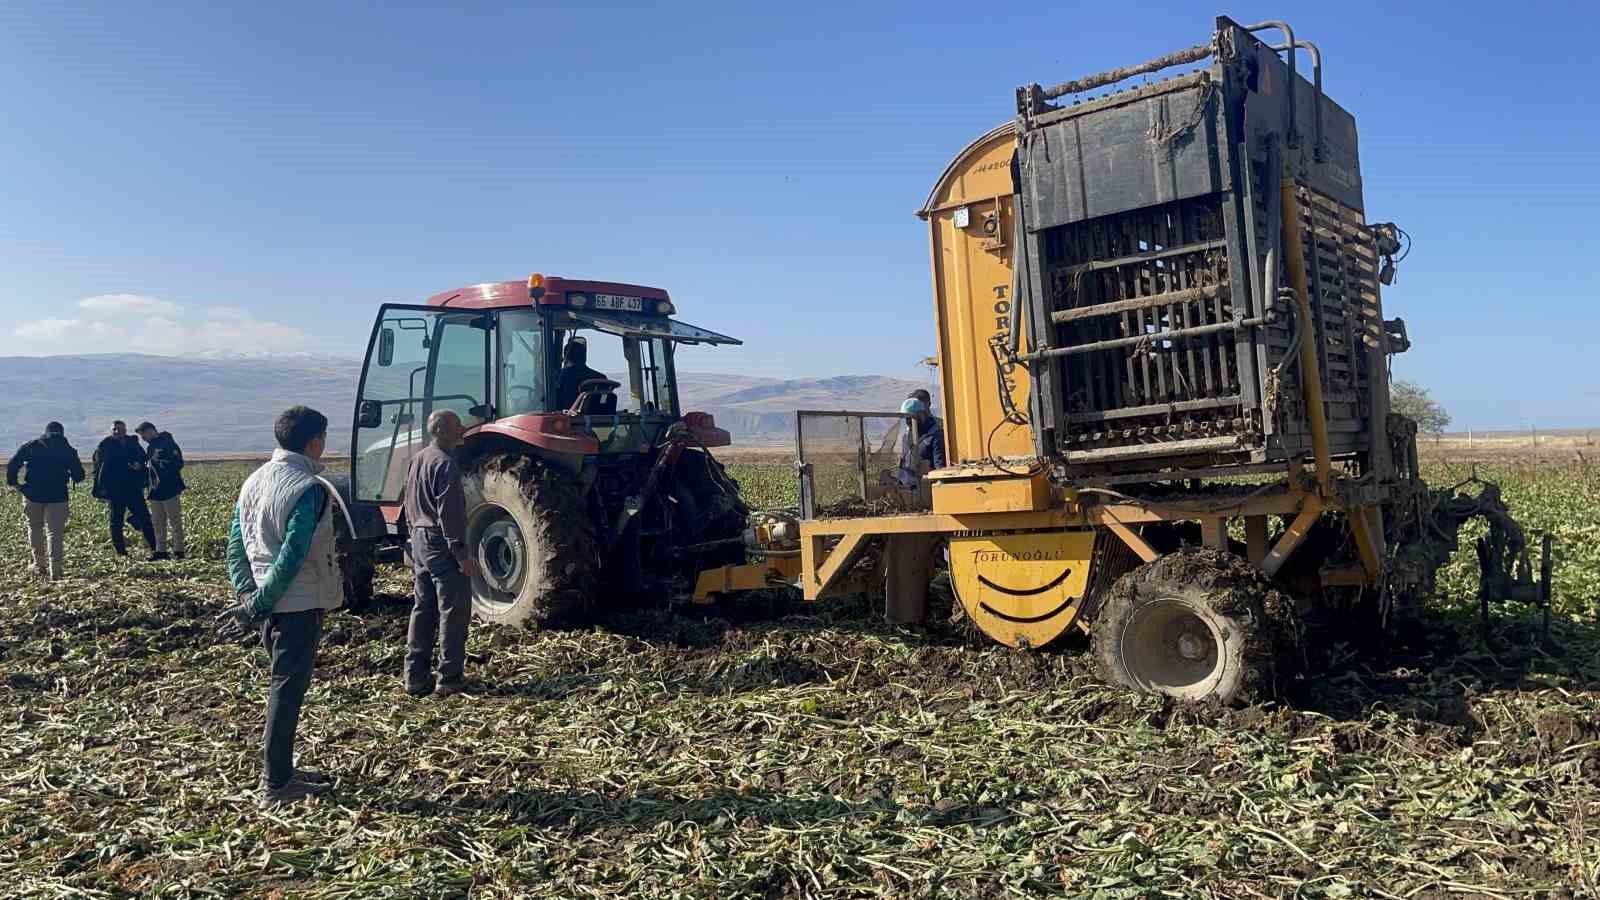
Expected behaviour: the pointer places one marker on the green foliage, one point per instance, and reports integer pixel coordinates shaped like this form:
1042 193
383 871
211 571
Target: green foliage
1413 401
766 484
817 754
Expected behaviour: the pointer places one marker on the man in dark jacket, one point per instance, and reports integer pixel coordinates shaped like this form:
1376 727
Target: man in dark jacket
435 509
574 372
164 461
119 480
925 445
50 462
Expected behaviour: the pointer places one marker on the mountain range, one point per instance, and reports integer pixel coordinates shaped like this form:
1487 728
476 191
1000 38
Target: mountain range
222 403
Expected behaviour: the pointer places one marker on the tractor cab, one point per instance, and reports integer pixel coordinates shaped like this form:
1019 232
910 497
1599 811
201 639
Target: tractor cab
571 370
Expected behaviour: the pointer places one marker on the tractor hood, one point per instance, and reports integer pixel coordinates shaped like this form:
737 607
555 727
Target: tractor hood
625 325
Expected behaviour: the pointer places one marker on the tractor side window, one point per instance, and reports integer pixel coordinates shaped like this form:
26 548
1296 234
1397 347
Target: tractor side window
587 354
391 408
460 377
522 380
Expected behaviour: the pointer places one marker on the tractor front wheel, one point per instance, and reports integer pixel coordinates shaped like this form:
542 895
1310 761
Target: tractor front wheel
530 532
1198 624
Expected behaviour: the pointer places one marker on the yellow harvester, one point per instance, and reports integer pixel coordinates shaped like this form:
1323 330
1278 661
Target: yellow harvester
1164 370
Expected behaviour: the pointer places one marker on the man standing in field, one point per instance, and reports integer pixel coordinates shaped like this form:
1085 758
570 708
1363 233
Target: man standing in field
436 514
119 480
50 462
164 462
281 562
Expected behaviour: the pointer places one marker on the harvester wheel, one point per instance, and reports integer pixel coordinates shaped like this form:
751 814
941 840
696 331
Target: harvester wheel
357 561
530 531
1197 624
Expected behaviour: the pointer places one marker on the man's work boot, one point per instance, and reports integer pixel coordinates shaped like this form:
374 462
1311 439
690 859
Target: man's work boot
312 777
160 555
450 688
177 554
292 791
419 688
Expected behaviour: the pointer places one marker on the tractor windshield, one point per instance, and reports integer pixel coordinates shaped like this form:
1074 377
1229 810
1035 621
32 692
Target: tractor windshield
620 387
615 372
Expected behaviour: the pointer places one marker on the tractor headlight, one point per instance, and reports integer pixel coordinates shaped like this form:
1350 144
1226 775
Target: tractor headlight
578 299
665 307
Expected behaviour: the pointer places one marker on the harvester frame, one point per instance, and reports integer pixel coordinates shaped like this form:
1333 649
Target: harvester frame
1181 283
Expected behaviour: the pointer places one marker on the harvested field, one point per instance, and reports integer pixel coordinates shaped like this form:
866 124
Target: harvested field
783 749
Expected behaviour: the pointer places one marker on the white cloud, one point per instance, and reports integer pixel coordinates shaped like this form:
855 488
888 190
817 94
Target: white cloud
108 305
132 323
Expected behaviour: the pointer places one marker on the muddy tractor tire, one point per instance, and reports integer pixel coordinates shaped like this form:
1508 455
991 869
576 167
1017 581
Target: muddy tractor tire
357 561
530 532
1198 624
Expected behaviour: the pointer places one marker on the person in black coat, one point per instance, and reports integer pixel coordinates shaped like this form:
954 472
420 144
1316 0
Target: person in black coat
49 462
119 480
164 462
574 372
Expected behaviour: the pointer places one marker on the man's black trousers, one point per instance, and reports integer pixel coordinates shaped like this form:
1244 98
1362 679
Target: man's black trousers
440 609
133 509
291 642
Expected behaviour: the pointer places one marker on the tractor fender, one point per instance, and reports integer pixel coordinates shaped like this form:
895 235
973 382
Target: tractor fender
365 519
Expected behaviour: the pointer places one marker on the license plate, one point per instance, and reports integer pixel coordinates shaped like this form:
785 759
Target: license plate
617 301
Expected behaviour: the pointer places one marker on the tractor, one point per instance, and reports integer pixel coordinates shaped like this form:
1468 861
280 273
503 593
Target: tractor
580 483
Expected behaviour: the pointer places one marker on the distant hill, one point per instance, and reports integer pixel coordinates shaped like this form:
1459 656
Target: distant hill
225 404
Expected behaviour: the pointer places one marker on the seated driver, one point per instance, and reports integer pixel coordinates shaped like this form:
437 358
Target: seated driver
574 372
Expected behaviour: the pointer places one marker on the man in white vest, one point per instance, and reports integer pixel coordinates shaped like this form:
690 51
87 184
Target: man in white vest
282 565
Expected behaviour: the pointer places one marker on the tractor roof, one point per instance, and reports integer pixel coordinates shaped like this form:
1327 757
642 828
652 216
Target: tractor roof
502 294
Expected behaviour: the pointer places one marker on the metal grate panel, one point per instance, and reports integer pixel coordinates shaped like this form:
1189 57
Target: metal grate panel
845 459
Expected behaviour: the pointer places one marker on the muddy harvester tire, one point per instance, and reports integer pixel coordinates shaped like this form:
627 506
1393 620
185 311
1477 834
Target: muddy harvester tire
357 562
1198 624
530 532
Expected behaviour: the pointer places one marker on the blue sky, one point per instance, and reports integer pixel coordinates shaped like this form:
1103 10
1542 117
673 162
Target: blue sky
261 177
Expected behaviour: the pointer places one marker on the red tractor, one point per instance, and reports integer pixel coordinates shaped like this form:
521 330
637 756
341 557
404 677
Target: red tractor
579 480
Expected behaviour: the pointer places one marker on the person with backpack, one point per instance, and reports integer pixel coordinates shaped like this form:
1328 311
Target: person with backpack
50 463
164 463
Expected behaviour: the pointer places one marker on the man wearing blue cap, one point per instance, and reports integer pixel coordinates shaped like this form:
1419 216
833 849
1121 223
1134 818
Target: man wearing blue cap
924 443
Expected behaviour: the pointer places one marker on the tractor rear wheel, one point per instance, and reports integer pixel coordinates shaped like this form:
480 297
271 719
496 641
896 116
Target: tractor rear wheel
1198 624
530 532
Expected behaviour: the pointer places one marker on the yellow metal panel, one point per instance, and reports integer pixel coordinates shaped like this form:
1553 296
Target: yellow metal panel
1022 589
771 572
972 298
991 495
813 530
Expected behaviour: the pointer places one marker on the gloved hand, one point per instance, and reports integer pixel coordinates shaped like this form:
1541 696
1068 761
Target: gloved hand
239 619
